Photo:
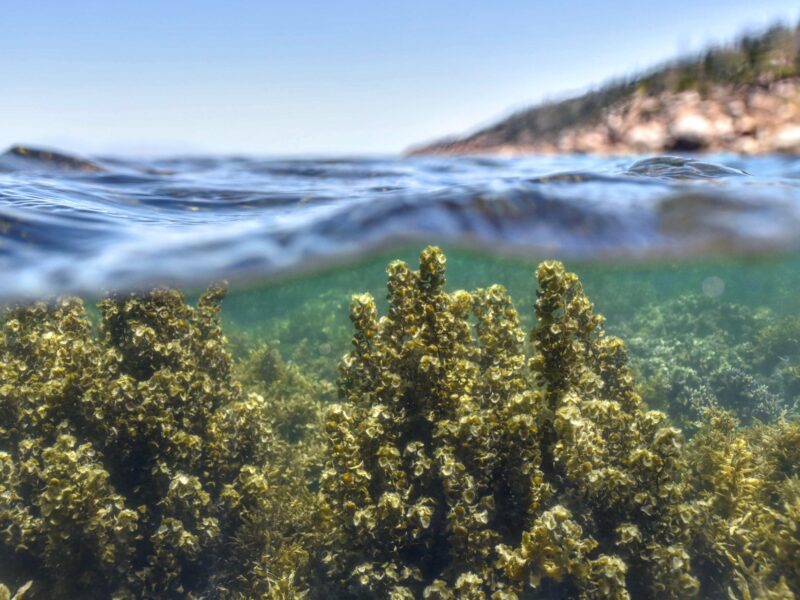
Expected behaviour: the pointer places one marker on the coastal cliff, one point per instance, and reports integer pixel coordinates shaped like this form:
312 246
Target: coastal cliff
744 97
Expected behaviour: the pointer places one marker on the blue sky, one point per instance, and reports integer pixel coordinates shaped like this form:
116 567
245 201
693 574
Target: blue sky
326 77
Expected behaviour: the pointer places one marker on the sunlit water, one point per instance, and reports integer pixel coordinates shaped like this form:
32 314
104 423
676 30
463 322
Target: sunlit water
693 262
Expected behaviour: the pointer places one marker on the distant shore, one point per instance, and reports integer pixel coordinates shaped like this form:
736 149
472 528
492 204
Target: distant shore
748 119
739 97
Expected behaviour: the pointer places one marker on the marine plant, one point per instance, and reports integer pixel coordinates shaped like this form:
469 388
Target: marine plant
458 468
133 465
306 323
463 459
296 403
745 507
5 593
693 353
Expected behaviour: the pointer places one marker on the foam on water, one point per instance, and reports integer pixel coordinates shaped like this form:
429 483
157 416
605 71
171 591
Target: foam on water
83 225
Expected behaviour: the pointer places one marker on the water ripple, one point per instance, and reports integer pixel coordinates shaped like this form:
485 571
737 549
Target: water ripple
72 224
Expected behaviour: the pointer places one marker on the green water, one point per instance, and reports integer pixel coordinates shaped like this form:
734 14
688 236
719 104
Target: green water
463 449
307 317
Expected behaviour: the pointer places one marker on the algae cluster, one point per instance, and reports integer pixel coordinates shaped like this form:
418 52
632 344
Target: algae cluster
132 464
464 458
695 352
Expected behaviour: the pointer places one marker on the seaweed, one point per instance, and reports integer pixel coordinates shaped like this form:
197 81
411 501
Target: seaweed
462 458
694 353
457 467
132 464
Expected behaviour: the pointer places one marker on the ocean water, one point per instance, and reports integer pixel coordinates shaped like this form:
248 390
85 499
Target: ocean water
692 261
77 225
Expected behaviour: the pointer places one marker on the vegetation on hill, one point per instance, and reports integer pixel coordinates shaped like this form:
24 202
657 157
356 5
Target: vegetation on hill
751 60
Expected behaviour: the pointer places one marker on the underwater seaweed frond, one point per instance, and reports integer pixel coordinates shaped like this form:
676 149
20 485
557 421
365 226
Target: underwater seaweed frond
46 354
294 401
294 395
56 502
744 511
415 448
552 548
565 334
5 593
122 454
311 329
619 460
449 473
257 510
787 530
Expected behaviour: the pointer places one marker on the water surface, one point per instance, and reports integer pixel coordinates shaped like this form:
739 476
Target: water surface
77 225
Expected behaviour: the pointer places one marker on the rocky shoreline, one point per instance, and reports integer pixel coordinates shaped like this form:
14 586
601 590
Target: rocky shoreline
747 119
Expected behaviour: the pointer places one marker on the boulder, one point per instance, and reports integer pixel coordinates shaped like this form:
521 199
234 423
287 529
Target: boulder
647 137
690 131
787 139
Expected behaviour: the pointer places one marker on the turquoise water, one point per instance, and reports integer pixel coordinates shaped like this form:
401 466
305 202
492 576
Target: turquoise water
307 317
336 424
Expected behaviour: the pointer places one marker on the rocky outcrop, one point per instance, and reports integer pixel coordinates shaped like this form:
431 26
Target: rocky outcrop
749 119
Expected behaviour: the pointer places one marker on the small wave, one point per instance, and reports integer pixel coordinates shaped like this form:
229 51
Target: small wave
674 167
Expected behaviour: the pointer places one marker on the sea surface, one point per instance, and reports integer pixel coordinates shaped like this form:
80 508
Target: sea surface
694 262
73 224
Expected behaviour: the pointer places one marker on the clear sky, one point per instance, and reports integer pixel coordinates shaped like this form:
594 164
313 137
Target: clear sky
325 77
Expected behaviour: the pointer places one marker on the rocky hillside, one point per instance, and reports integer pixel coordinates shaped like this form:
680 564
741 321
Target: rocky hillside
743 97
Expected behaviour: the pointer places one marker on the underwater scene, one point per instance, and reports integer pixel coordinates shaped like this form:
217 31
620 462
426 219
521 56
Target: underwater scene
438 378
